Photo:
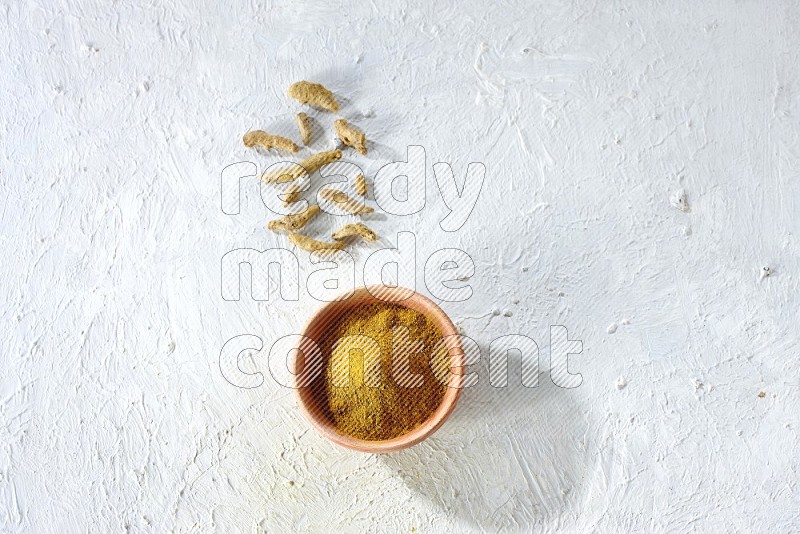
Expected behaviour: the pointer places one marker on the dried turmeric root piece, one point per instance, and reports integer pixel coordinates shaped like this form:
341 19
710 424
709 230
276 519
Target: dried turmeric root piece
355 229
351 136
292 194
294 221
361 185
281 176
312 245
314 94
307 166
312 163
268 141
344 202
304 125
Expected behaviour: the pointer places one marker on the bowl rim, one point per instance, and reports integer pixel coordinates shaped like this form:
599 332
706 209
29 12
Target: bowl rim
457 358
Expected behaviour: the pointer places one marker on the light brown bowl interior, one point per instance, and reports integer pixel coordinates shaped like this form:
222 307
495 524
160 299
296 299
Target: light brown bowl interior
311 396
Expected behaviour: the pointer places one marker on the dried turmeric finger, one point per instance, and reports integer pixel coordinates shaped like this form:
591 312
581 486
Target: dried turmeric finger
268 141
355 229
344 202
313 94
312 163
312 245
294 221
307 166
361 185
286 174
304 125
351 136
292 194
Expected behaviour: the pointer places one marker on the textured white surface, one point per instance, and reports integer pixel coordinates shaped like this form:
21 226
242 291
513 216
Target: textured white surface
590 118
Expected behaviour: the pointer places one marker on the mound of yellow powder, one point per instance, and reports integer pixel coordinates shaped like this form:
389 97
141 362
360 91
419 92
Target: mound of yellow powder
370 394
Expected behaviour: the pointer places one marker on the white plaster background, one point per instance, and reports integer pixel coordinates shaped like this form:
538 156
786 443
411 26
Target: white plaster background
116 120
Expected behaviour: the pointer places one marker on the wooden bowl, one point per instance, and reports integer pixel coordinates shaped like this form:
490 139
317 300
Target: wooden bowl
309 367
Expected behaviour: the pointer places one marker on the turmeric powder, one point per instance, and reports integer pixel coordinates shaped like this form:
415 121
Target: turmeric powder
382 364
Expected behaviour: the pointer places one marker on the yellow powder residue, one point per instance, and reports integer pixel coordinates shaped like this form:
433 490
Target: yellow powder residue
369 393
